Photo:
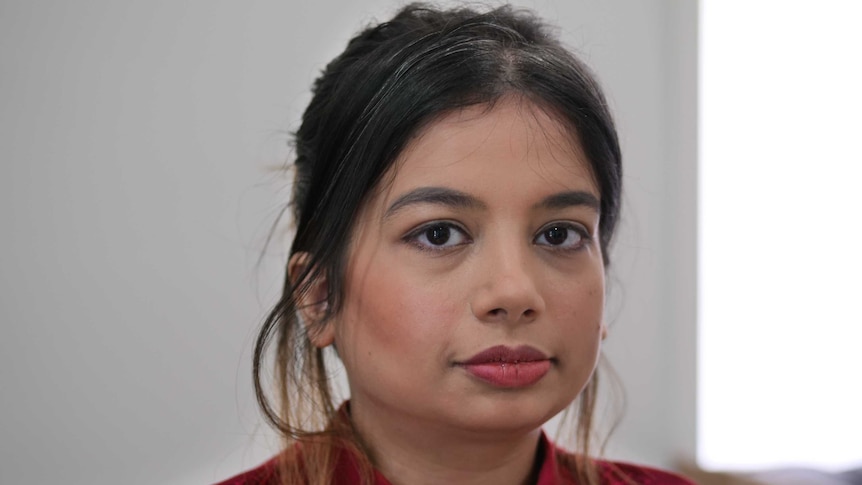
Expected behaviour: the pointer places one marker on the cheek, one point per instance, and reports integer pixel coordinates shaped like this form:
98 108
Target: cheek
579 311
581 290
390 314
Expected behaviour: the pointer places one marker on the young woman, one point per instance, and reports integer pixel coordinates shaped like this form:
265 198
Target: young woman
457 186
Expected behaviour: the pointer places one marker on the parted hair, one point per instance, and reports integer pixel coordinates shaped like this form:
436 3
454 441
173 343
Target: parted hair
393 79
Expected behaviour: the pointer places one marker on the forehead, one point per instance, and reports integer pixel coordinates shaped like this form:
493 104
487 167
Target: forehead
514 143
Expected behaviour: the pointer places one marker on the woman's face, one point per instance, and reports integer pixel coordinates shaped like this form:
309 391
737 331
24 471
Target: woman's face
475 285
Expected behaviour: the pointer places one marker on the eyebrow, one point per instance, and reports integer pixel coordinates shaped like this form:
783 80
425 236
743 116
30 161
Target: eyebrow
437 196
459 200
572 198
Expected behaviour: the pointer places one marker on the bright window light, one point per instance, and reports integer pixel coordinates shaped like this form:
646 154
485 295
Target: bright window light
780 275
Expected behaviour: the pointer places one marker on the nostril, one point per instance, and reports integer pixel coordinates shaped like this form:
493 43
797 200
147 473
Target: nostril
498 312
505 314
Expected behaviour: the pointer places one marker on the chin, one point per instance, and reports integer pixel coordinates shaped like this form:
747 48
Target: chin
508 413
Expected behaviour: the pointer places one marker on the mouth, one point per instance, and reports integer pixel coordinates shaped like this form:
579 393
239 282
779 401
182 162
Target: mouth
507 367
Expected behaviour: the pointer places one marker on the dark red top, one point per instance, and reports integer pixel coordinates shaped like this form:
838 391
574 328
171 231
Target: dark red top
550 473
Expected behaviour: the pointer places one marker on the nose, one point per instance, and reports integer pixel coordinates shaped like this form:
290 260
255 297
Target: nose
508 290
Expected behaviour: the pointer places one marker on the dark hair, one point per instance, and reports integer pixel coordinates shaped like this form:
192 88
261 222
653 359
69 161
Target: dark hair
390 81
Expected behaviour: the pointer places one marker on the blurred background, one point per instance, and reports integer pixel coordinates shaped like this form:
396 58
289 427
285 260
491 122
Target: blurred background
138 148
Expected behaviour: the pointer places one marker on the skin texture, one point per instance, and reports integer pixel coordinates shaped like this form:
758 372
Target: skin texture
414 310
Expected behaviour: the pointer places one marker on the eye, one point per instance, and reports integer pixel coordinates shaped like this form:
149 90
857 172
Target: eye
560 235
438 236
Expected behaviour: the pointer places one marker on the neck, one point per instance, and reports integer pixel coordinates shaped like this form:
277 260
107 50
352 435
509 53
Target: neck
408 451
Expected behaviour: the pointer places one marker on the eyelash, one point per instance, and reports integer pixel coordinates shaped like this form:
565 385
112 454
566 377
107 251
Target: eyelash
578 229
413 236
422 231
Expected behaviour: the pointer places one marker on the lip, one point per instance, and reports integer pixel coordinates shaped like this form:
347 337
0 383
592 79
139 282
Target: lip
507 367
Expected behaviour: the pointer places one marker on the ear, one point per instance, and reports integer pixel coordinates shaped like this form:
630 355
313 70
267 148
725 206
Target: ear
312 304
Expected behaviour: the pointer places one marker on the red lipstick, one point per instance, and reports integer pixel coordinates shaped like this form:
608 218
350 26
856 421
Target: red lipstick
503 366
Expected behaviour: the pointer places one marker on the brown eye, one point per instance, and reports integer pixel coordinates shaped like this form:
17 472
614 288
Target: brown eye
556 235
438 236
562 236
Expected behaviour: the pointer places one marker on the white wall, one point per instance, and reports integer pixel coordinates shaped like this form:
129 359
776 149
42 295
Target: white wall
135 193
793 169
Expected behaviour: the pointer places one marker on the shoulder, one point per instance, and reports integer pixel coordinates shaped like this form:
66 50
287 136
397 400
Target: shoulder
265 474
613 473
